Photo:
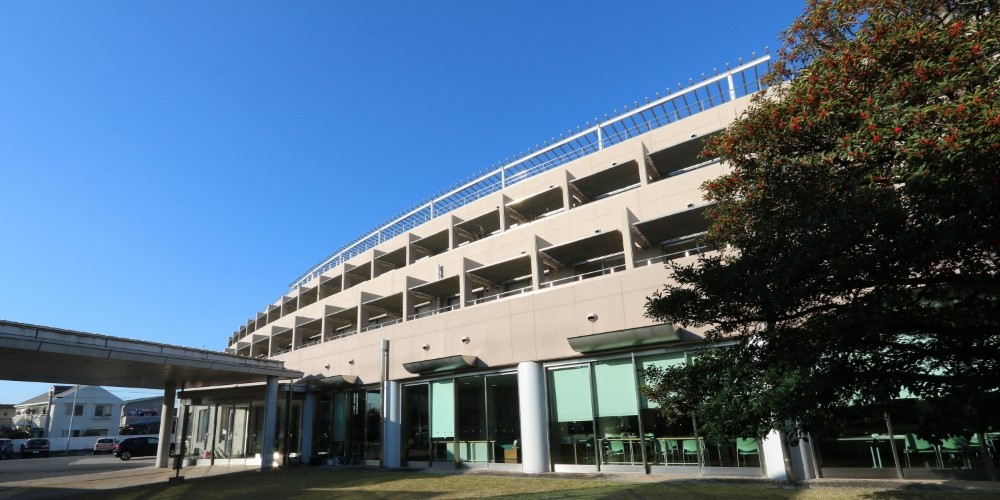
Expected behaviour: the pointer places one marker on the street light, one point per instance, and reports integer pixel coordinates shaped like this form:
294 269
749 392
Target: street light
72 413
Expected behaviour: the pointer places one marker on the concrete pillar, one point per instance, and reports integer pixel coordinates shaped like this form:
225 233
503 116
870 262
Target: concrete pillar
270 421
308 413
166 418
774 456
393 394
534 424
181 450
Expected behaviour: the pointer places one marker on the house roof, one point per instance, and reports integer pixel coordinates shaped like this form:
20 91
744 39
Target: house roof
43 398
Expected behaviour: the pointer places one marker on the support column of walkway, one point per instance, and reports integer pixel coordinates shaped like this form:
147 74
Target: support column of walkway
270 421
166 425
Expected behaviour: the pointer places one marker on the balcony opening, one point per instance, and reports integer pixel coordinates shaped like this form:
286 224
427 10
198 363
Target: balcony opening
679 158
669 237
608 182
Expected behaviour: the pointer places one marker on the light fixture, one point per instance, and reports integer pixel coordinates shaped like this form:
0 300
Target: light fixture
350 361
690 205
426 347
465 340
327 366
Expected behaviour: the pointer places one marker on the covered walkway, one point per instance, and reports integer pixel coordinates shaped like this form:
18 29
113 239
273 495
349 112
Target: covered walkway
34 353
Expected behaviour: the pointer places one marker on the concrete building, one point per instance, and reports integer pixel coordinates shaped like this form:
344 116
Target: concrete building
501 324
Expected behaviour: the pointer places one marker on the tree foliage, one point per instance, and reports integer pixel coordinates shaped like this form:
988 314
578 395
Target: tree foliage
857 229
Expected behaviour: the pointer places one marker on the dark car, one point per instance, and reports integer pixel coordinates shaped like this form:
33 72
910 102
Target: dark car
138 447
35 448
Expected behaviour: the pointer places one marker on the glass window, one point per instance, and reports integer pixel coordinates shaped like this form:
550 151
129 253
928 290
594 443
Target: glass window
416 423
617 412
443 420
373 426
338 431
503 417
572 428
471 412
670 443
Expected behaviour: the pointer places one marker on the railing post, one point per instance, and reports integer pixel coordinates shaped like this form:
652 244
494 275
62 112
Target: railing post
732 88
600 140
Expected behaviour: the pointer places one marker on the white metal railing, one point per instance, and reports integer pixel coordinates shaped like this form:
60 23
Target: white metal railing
376 326
490 298
346 333
695 250
582 276
432 312
737 82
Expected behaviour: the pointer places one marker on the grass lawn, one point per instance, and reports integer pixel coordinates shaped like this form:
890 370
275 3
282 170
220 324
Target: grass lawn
350 483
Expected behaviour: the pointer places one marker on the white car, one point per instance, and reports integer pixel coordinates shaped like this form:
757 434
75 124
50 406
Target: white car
104 445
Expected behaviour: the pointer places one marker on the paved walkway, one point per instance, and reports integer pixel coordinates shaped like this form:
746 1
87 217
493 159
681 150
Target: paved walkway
60 487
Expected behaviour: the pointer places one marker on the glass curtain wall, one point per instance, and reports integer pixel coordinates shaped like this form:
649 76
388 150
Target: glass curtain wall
347 426
473 419
597 416
867 444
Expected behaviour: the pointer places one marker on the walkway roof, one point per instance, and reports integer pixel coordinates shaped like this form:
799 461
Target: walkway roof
34 353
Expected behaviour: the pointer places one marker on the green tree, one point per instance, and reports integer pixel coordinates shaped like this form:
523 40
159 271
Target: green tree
857 229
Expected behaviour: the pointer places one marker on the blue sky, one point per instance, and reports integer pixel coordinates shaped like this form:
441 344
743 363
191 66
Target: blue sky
169 167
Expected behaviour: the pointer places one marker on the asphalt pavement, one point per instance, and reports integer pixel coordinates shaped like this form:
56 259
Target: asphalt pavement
66 476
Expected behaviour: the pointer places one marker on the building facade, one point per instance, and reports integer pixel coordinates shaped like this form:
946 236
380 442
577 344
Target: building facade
501 324
67 411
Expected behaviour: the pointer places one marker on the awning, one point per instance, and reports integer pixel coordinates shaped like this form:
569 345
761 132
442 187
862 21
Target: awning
331 382
438 365
644 335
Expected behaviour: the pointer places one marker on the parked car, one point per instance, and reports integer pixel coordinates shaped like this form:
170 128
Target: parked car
104 445
35 448
6 449
138 447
